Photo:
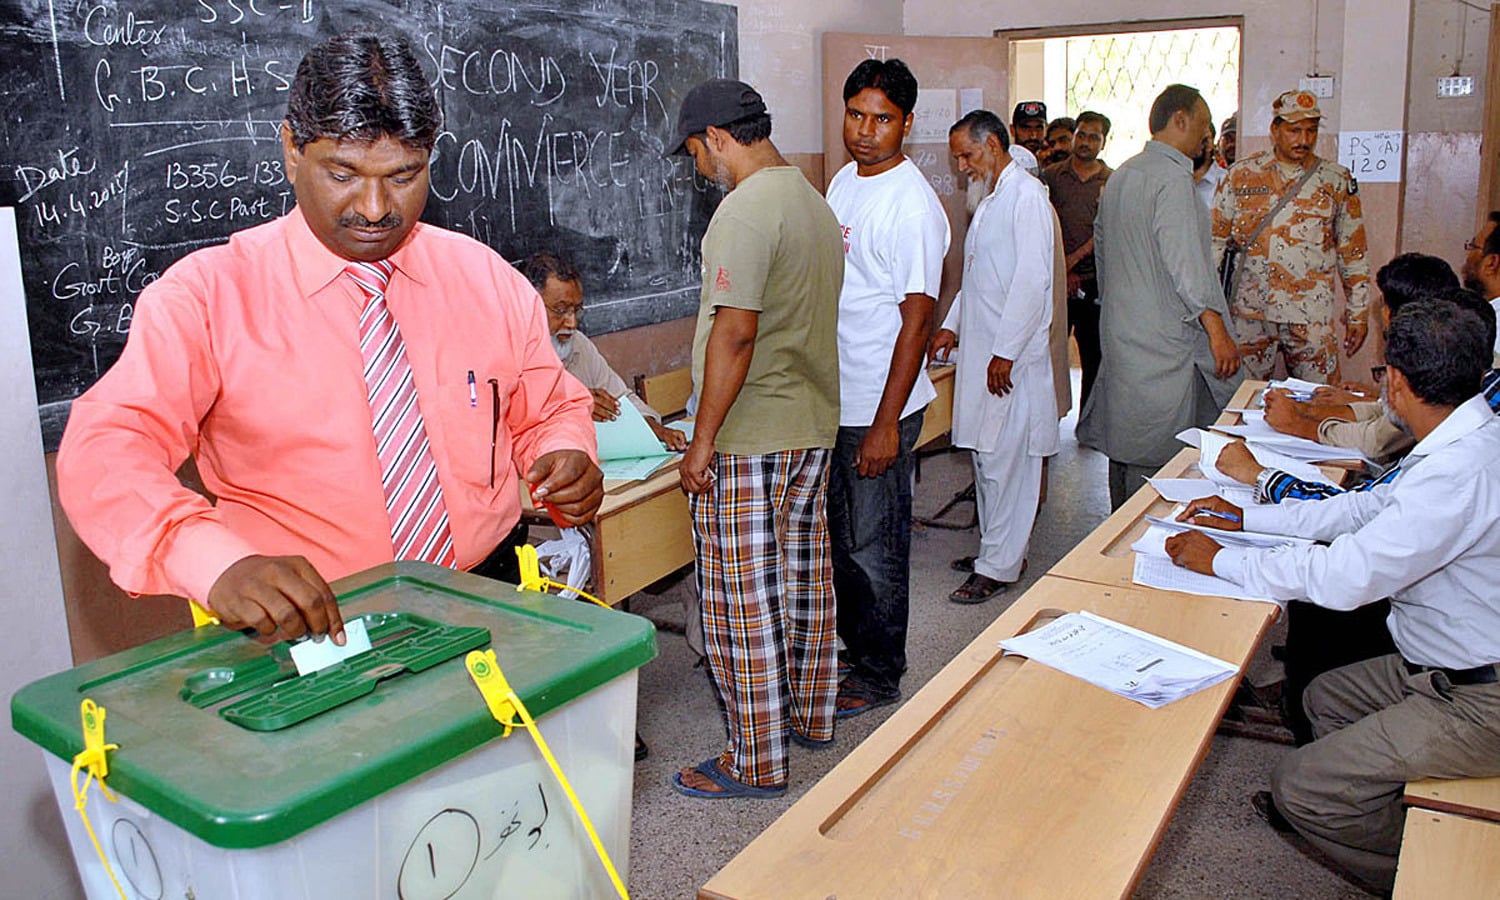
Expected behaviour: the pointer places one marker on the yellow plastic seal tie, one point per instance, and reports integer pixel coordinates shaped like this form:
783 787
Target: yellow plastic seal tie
94 761
201 615
505 704
492 684
532 579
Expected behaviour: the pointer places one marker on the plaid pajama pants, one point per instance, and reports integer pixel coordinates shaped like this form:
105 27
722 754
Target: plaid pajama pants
765 576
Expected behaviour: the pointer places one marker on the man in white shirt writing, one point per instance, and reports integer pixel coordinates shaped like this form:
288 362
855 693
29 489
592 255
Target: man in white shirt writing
1429 539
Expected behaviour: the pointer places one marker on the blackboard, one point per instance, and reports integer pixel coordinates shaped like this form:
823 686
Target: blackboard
135 131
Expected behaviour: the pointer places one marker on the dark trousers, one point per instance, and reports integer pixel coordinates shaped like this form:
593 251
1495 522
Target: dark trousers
1320 640
502 564
869 526
1083 319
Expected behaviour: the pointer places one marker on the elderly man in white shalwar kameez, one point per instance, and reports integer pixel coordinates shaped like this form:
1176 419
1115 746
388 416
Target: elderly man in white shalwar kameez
1004 404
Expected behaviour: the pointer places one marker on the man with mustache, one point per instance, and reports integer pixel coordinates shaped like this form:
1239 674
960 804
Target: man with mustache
1427 539
1059 141
1074 186
1282 299
356 386
895 235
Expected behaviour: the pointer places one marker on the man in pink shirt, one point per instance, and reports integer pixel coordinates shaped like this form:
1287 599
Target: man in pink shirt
354 385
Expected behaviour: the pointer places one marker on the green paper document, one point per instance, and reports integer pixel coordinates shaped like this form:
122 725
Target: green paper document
628 448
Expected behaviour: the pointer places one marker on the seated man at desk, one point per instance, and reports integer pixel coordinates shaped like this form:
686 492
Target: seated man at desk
1340 418
561 287
1429 539
321 369
1319 640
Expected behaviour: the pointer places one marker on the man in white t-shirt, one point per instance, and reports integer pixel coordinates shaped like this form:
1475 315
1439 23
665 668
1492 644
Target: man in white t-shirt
895 236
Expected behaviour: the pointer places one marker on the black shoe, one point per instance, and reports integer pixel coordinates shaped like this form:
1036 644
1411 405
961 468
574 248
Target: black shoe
641 750
1265 807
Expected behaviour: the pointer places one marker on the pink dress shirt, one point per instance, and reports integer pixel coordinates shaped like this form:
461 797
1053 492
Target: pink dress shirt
246 356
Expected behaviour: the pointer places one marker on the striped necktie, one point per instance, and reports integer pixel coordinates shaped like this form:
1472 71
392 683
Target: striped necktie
413 498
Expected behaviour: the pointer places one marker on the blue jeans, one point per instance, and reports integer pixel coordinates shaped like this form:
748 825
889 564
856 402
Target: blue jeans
869 525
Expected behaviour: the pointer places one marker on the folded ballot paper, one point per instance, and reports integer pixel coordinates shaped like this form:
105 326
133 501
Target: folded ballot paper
1135 664
628 448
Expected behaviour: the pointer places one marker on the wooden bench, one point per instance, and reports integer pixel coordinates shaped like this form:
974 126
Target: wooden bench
666 392
1477 798
1004 777
1447 856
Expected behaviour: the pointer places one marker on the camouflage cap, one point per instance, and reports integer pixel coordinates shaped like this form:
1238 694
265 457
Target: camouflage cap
1294 106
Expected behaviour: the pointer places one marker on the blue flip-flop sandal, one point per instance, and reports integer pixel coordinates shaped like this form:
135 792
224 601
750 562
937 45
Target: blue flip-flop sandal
709 769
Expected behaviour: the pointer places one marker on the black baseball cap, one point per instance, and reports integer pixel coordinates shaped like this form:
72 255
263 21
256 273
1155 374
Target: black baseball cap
1030 109
717 102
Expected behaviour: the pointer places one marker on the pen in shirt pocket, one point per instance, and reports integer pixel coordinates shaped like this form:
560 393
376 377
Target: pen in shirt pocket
473 392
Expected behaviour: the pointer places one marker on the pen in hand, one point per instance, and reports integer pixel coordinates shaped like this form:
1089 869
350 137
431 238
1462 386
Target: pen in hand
1228 517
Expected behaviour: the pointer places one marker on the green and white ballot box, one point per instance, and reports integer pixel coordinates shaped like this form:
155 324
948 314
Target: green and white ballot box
383 776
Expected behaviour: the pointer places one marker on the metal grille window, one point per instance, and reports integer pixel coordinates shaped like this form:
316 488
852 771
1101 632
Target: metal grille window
1120 74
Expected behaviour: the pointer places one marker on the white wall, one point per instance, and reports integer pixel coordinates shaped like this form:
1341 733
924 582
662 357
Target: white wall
780 55
34 638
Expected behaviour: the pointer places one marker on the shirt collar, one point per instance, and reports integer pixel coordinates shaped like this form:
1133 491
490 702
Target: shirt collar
1171 153
1466 417
315 267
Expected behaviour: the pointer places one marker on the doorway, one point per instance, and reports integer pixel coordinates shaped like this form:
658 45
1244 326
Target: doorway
1119 73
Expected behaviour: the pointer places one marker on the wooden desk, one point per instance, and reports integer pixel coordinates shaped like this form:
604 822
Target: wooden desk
1002 776
939 418
1477 798
642 534
1105 557
1448 856
1246 397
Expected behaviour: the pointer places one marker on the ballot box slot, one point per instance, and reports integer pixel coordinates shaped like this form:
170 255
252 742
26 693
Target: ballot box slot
265 693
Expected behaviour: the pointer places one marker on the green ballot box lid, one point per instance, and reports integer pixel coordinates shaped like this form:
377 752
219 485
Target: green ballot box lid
219 735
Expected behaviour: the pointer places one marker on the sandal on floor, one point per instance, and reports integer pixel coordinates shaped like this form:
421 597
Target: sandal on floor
729 788
962 564
855 699
803 740
977 589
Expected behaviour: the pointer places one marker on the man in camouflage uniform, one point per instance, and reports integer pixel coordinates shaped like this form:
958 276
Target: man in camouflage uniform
1284 300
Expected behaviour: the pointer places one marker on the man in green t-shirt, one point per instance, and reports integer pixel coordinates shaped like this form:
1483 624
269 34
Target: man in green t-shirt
765 361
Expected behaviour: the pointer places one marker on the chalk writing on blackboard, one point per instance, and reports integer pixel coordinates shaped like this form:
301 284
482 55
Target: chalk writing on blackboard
149 128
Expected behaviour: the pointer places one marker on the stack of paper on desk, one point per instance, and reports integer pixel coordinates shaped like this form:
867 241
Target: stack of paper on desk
1211 444
1259 434
1135 664
1154 568
628 448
